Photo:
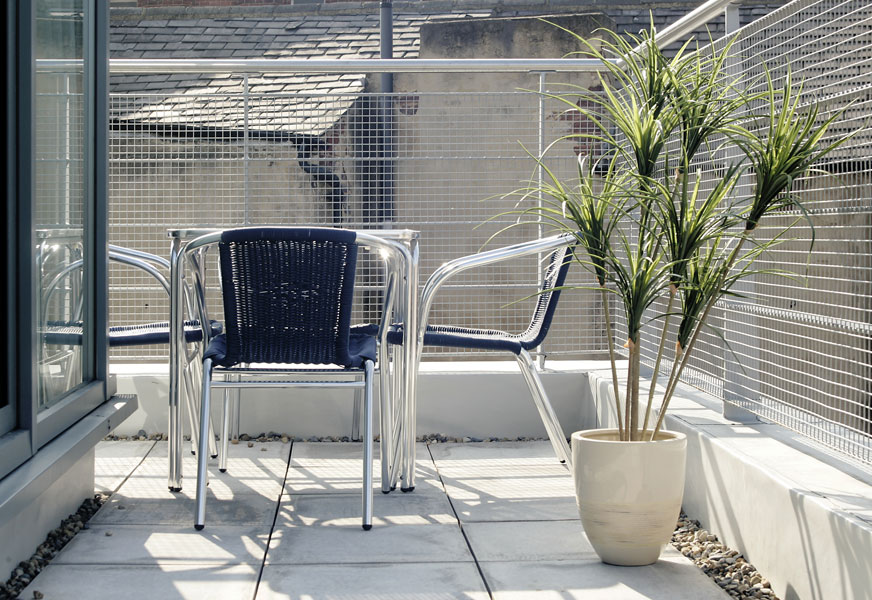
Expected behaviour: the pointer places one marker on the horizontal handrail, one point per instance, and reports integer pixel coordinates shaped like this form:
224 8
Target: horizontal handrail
692 21
129 66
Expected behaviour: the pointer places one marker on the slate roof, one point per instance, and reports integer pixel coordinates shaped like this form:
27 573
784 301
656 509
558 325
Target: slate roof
315 31
318 100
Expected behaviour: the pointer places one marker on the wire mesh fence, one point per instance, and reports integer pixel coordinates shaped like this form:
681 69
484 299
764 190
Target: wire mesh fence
794 350
445 164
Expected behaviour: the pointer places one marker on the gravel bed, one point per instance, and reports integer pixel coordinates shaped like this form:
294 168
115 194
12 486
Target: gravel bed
428 438
726 567
23 574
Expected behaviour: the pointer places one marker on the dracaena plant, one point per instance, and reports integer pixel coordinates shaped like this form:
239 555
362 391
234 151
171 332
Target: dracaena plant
650 229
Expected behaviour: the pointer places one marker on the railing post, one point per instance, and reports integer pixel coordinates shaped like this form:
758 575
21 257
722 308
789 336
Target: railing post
245 158
739 332
540 179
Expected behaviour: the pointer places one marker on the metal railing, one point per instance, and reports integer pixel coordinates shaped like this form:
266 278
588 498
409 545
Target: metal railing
796 352
447 164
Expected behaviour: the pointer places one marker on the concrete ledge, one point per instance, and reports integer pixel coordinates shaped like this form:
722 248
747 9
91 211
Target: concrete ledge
36 496
480 399
802 517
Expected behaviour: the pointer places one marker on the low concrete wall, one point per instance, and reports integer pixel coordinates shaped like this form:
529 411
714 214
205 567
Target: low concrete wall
477 399
23 534
802 517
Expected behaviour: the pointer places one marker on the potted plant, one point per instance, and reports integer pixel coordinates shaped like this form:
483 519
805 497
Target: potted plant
664 248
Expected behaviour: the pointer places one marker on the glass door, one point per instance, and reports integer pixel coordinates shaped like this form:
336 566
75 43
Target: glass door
54 271
7 406
68 242
59 142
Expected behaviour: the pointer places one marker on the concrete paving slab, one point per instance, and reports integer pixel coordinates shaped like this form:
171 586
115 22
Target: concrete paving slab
351 544
257 470
345 509
410 581
178 509
240 450
516 504
673 577
549 473
495 453
527 493
223 486
108 449
332 478
529 541
302 451
178 582
114 461
318 468
165 545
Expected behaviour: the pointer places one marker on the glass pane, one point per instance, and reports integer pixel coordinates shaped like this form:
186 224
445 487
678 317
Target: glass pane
7 420
59 142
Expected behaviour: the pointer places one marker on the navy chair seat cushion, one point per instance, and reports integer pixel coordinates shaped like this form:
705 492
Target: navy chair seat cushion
361 347
70 334
449 336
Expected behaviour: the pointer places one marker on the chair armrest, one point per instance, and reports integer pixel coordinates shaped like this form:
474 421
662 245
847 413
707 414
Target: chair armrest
456 266
140 255
133 261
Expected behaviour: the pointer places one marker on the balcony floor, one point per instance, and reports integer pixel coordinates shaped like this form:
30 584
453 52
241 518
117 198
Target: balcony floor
485 520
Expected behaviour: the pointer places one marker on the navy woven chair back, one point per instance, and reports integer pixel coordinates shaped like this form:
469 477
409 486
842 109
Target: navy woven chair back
288 295
546 304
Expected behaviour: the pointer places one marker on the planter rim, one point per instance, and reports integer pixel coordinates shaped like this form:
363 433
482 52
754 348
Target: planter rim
590 436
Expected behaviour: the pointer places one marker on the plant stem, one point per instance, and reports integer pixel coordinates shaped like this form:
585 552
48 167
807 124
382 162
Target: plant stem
633 391
615 383
673 380
672 291
628 396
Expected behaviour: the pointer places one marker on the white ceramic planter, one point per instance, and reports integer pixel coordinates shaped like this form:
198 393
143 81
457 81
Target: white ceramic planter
628 493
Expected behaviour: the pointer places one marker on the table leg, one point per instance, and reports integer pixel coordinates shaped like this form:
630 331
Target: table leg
174 430
412 359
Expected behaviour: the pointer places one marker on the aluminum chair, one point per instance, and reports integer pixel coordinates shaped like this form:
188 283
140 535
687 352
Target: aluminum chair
560 248
287 295
70 334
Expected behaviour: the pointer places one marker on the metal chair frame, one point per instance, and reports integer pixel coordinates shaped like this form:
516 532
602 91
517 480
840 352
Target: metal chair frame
451 269
122 335
232 378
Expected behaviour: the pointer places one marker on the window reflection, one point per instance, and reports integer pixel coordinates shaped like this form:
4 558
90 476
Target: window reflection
59 196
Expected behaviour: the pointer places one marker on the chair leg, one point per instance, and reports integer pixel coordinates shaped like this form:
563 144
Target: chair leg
546 412
385 412
225 433
190 406
194 416
367 445
355 417
203 448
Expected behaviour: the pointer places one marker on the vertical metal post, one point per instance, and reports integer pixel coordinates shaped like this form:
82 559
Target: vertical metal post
387 131
386 49
741 331
246 216
540 176
731 18
177 351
